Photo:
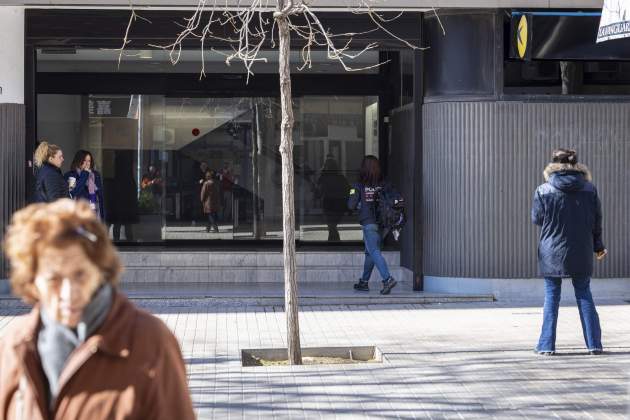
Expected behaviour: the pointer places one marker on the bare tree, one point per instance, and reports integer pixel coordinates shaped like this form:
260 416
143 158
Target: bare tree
247 29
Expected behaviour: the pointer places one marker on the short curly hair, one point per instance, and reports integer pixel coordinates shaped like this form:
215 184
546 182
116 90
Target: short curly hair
57 224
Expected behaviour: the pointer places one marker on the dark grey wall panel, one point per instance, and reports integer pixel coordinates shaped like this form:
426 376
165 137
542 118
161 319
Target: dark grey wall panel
482 162
401 173
11 166
460 62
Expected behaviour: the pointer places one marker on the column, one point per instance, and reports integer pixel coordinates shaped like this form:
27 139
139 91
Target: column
12 125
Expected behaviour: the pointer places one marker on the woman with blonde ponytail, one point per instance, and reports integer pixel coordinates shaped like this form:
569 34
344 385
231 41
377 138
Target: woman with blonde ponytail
50 184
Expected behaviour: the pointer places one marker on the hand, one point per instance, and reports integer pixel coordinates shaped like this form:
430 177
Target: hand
600 255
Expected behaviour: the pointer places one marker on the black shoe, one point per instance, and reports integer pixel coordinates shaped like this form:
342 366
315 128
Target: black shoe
208 229
388 286
362 286
595 352
216 229
545 353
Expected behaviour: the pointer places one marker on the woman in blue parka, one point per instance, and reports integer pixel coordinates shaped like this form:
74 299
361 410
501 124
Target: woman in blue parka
568 210
84 182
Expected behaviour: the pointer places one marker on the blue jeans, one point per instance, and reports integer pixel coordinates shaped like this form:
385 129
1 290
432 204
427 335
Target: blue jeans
588 314
373 241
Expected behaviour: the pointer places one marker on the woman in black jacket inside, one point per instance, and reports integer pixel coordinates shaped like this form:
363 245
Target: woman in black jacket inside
50 184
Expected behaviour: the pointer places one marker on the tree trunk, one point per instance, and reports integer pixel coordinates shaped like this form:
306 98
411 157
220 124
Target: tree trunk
256 142
288 202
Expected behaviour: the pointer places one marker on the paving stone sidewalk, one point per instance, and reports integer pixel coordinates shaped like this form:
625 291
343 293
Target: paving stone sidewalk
460 361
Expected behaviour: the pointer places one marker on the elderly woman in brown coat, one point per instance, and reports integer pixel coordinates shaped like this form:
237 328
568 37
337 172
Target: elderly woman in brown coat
84 351
210 201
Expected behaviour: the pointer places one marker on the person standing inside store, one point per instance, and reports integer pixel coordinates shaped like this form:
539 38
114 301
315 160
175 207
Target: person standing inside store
210 201
363 196
49 182
332 187
84 352
227 184
84 182
568 210
121 203
200 179
152 181
151 186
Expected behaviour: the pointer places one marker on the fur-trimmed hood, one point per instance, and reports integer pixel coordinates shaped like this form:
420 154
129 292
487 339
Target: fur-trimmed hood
559 167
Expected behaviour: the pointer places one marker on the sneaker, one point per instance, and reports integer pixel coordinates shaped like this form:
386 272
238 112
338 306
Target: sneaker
388 285
545 353
362 286
595 352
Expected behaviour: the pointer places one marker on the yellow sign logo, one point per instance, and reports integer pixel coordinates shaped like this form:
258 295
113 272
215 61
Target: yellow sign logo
521 37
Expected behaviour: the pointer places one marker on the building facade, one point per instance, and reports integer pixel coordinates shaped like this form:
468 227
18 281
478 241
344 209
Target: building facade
463 127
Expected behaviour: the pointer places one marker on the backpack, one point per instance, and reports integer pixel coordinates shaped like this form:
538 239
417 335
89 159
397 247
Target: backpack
390 210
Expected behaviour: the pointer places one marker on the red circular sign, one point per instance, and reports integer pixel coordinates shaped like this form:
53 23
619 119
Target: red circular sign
195 132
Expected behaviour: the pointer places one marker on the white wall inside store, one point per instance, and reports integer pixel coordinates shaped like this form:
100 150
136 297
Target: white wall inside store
59 122
12 55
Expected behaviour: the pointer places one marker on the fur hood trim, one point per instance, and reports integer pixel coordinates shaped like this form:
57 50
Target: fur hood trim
559 167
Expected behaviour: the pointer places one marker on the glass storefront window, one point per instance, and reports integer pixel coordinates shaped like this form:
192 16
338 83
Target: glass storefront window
155 154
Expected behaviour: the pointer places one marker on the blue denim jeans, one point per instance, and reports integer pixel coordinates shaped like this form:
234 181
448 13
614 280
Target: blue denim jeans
373 240
588 314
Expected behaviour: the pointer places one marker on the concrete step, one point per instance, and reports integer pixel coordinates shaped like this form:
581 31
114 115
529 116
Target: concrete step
269 294
248 267
310 294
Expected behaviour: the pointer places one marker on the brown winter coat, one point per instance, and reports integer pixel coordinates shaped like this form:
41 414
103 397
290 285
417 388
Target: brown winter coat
131 368
210 196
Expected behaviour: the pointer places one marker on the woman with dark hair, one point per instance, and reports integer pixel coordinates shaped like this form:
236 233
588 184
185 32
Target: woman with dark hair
363 197
569 212
49 183
85 182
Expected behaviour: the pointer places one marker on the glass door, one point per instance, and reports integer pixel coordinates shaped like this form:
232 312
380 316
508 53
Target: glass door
209 185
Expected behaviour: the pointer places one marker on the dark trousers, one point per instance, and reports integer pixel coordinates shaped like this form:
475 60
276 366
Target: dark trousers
212 219
128 231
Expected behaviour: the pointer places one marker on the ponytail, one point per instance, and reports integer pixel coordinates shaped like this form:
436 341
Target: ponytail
44 152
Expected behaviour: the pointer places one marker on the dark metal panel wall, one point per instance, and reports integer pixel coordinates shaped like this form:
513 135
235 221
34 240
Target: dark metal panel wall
11 166
401 174
482 162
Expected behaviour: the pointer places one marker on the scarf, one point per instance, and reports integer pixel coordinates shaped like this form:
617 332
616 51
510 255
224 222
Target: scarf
91 183
55 342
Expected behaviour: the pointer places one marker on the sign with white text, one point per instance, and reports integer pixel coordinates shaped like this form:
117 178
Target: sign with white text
615 20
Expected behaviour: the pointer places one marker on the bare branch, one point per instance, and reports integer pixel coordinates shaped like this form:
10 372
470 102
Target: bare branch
246 30
439 20
126 40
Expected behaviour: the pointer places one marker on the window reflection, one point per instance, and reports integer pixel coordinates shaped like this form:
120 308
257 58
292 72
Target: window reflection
156 153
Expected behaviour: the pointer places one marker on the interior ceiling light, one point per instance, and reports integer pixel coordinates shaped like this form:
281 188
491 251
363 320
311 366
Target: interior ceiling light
146 54
58 51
